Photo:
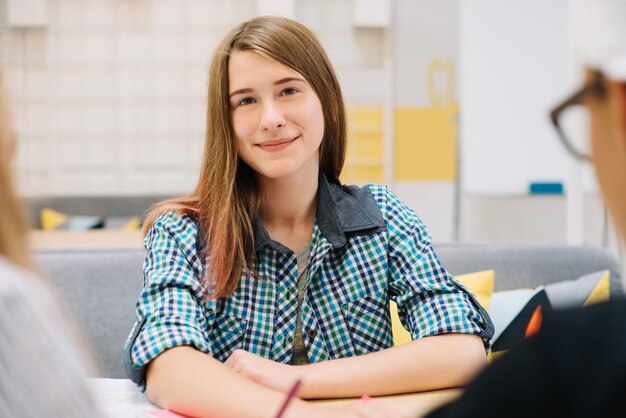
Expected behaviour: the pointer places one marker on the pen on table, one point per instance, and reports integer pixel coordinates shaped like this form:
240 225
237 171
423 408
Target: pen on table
292 393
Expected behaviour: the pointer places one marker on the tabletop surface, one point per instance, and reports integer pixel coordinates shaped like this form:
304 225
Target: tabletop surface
120 398
97 238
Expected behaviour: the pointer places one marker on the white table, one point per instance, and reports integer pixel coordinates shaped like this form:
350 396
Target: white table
121 398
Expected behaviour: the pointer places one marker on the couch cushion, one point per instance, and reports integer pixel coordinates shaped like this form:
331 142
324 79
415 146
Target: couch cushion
100 288
528 265
101 206
53 220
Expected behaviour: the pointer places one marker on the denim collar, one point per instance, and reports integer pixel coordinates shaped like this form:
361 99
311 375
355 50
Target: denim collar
341 210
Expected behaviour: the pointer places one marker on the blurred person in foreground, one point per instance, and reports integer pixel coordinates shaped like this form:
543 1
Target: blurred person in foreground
575 366
42 362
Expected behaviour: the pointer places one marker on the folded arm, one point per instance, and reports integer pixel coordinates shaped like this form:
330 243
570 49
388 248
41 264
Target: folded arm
190 382
441 361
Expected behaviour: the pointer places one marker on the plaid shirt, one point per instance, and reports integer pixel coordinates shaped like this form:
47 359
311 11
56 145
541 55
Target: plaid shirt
366 248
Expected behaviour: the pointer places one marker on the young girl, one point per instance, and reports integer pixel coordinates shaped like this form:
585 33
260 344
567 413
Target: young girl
271 270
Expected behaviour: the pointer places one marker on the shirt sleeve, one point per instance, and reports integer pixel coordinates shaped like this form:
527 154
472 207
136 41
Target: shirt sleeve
430 301
170 309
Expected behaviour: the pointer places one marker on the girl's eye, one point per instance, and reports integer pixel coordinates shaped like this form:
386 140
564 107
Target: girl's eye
289 91
245 101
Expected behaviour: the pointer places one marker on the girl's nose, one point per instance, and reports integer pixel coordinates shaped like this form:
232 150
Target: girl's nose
272 117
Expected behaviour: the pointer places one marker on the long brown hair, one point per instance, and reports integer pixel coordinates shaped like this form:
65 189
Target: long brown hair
13 228
226 200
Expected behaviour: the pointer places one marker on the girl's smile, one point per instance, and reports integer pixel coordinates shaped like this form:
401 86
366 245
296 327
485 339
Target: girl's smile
277 144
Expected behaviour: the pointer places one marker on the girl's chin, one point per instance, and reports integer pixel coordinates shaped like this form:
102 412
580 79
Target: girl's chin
281 172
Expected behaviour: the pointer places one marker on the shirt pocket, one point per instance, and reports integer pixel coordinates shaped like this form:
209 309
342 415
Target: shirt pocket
227 336
368 322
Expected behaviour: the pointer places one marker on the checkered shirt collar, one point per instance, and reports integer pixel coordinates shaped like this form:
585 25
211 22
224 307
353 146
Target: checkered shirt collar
340 210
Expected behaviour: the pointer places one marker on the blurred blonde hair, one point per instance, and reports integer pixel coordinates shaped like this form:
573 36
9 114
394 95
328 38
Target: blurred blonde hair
13 229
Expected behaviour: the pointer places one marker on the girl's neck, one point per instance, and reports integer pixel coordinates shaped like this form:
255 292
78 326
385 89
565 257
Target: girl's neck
289 209
288 202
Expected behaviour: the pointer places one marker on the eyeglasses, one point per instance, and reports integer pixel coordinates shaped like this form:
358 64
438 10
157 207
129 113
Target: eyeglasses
594 87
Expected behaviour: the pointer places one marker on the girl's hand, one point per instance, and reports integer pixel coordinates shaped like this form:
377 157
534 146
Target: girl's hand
265 372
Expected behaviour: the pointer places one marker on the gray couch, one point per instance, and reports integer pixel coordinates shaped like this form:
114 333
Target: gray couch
100 286
100 206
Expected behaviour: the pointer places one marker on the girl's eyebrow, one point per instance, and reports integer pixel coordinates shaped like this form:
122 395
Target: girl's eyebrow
240 91
276 83
287 80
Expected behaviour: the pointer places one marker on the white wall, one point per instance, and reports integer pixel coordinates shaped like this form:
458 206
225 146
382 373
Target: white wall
516 63
425 31
109 98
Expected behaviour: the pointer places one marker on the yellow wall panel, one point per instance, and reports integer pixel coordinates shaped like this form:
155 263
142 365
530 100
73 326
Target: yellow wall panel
369 116
364 163
369 174
361 174
425 143
370 145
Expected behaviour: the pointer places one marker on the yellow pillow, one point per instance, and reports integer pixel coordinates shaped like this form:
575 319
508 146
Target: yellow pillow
601 292
51 219
124 223
480 283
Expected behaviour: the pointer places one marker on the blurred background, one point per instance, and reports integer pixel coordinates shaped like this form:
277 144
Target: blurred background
447 100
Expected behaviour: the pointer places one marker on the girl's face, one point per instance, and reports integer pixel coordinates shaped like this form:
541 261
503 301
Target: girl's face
276 115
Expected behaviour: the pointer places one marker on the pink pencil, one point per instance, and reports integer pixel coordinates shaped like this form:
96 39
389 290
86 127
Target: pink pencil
292 393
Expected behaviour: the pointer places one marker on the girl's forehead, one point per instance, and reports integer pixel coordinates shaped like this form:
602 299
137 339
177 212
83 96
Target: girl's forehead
238 58
252 65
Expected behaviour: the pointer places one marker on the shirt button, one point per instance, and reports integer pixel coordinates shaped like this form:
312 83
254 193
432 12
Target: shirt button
311 333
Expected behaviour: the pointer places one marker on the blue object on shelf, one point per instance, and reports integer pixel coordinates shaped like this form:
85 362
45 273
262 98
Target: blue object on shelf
546 188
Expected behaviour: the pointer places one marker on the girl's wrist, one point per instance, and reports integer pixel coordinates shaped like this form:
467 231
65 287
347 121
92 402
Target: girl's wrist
309 383
300 409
